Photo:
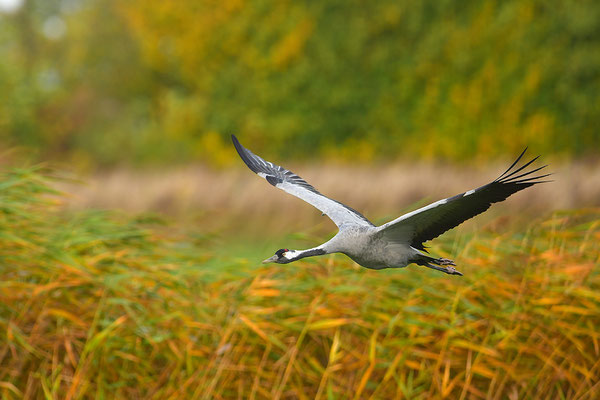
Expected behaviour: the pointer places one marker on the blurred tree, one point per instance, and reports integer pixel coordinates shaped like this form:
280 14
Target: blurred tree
153 81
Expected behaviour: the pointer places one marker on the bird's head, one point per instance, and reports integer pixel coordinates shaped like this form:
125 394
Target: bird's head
282 256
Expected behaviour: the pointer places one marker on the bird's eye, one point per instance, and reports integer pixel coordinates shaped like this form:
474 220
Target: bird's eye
280 252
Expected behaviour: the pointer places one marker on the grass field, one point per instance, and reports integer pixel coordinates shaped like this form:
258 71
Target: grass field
97 304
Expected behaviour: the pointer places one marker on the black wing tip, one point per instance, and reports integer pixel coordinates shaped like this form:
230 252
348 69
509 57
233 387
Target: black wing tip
245 154
532 180
236 143
510 175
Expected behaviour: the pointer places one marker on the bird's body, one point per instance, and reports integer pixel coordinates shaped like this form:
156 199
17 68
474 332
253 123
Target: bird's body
396 243
365 245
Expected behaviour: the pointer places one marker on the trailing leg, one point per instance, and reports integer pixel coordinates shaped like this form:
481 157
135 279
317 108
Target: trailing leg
433 263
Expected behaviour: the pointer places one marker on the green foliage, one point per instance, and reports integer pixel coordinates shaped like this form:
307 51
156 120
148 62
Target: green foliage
98 305
153 81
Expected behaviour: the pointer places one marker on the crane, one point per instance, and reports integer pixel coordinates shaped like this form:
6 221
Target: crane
399 242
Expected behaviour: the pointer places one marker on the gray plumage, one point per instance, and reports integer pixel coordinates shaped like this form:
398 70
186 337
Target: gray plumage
396 243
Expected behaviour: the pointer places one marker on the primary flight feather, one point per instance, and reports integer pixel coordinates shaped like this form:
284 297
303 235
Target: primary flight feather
399 242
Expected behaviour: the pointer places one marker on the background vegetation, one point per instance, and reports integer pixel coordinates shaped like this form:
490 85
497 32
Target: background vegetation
99 82
113 304
114 307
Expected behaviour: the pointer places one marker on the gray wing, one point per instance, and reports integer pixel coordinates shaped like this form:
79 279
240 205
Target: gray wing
289 182
431 221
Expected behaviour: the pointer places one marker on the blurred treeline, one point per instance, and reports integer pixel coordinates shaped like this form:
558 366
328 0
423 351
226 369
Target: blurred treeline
103 82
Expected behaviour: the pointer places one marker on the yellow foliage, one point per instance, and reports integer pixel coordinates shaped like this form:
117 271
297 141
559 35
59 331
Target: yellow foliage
536 128
532 80
213 149
292 44
446 81
360 150
178 30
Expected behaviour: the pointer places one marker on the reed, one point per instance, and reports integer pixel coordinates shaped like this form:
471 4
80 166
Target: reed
97 304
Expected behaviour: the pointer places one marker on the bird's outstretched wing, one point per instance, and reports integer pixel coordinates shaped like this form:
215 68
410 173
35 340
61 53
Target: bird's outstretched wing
288 181
429 222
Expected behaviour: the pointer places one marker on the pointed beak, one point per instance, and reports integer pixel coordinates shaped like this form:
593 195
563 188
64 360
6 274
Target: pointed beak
270 260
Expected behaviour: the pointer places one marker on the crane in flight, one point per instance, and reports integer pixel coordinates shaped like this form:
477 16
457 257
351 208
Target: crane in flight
399 242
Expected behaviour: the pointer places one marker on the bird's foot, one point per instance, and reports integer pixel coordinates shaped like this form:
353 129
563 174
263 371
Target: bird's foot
449 266
437 265
452 271
444 261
